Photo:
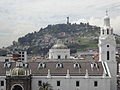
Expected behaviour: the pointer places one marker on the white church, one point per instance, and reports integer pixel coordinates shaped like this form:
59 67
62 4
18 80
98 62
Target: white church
64 73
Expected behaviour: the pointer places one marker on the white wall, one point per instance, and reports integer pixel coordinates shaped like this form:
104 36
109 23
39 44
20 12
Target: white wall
53 53
113 71
70 84
103 51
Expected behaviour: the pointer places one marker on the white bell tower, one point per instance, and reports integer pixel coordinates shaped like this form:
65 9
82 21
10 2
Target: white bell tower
107 50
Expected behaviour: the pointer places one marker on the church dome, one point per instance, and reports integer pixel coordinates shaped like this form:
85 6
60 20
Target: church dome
18 71
59 46
106 17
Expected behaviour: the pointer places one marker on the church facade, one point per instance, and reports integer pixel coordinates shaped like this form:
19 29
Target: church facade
64 73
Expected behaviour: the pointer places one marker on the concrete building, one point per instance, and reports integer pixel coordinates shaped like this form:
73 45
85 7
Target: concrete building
23 55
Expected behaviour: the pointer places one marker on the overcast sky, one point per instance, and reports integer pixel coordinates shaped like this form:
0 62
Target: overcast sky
19 17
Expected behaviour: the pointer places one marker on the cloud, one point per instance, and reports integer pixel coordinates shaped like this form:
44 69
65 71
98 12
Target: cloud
115 22
19 17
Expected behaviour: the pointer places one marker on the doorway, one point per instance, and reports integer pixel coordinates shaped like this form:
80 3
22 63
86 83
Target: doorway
17 87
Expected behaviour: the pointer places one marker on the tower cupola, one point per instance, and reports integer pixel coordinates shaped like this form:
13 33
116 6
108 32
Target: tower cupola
106 20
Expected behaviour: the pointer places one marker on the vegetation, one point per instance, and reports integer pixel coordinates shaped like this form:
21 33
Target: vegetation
45 86
3 52
76 36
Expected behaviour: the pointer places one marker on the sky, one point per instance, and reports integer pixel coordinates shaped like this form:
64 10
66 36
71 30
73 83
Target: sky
19 17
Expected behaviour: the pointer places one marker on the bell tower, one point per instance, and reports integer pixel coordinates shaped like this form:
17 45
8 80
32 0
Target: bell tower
107 43
107 50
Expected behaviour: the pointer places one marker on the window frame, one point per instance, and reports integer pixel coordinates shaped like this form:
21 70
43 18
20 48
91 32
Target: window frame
39 82
2 83
95 83
59 56
58 83
107 31
108 55
77 83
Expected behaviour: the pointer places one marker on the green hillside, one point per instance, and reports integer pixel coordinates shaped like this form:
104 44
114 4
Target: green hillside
75 36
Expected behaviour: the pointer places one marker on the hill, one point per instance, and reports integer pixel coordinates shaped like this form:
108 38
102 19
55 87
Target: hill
76 36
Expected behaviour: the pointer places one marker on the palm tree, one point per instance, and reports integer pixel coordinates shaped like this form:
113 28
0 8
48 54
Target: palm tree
45 86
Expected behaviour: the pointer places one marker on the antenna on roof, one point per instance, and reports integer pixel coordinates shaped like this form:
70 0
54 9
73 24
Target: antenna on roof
68 20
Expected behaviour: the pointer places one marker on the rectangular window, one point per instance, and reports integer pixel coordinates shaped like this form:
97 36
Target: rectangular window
108 55
2 83
77 84
22 58
103 31
58 83
95 83
107 31
39 83
65 56
22 52
59 57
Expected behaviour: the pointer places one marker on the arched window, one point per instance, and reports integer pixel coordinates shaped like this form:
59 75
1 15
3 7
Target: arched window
59 65
77 65
41 65
94 65
7 65
103 31
107 31
108 55
25 65
59 57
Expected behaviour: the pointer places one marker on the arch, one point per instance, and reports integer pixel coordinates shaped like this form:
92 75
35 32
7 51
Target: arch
77 65
41 65
59 65
59 56
17 87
